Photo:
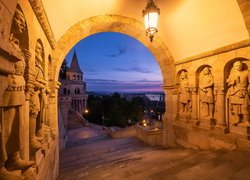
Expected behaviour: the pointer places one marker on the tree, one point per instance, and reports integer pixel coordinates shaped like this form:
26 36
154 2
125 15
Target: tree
95 109
136 109
115 110
63 69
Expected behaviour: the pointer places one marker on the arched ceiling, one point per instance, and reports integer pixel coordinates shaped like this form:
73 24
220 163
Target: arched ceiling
188 27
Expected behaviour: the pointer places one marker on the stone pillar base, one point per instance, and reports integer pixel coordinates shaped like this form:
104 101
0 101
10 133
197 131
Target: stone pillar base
221 128
207 123
184 117
241 130
194 122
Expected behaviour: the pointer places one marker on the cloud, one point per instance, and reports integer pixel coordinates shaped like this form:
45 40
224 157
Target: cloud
134 69
120 51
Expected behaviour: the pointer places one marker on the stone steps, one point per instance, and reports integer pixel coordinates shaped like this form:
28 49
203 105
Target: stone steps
129 158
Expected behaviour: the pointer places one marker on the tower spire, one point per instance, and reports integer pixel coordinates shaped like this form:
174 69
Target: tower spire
74 65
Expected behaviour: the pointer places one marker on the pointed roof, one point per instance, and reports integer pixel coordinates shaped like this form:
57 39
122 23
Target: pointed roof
74 65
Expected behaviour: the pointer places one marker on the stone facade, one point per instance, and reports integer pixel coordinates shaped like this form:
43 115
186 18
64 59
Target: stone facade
207 96
72 94
219 85
28 134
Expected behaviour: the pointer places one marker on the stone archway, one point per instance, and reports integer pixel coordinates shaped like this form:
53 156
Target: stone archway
245 10
120 24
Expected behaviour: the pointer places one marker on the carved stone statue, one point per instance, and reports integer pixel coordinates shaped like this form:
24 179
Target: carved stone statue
18 27
37 102
238 94
39 63
11 126
206 84
185 94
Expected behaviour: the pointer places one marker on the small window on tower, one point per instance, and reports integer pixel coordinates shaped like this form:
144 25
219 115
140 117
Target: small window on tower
64 91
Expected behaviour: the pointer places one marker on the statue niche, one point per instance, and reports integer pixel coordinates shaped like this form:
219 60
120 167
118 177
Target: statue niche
11 126
184 94
11 112
206 94
238 94
38 101
19 35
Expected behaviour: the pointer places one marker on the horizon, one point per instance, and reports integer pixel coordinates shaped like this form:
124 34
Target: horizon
128 92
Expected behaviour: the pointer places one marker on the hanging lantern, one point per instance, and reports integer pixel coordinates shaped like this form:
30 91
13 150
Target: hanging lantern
151 14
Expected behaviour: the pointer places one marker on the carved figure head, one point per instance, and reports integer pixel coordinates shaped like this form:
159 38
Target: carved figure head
39 51
238 65
206 71
183 75
19 24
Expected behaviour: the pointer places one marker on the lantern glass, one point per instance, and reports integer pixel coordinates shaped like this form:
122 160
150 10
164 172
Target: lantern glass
151 20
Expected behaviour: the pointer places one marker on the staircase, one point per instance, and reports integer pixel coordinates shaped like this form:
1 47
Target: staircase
75 120
129 158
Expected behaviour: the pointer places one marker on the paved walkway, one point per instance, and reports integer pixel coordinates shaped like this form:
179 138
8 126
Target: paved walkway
82 133
129 158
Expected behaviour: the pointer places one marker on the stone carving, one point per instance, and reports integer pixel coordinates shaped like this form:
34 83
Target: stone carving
238 94
18 27
185 94
37 107
40 13
206 84
11 126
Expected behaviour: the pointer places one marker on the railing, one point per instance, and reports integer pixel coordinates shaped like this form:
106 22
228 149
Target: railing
79 116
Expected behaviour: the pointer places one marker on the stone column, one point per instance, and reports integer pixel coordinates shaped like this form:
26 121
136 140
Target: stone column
194 115
220 109
171 104
81 106
53 105
25 154
85 103
78 105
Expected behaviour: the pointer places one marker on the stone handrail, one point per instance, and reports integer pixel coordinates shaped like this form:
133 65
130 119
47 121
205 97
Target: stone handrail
79 116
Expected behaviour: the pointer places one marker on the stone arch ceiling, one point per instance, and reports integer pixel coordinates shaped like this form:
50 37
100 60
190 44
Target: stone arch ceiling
188 27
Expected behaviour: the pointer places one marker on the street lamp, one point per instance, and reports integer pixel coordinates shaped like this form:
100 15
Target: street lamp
86 111
151 14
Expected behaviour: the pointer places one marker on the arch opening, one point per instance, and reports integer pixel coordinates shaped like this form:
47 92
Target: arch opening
120 24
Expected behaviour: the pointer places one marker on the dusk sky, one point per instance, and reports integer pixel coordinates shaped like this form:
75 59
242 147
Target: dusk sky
117 62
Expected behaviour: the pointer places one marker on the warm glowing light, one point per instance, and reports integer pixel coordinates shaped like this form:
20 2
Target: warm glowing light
151 14
151 20
86 111
145 124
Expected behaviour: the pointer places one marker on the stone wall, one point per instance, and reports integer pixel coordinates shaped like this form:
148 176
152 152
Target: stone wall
210 100
28 109
150 135
207 97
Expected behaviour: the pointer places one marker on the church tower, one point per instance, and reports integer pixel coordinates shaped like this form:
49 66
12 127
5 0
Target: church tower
72 95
